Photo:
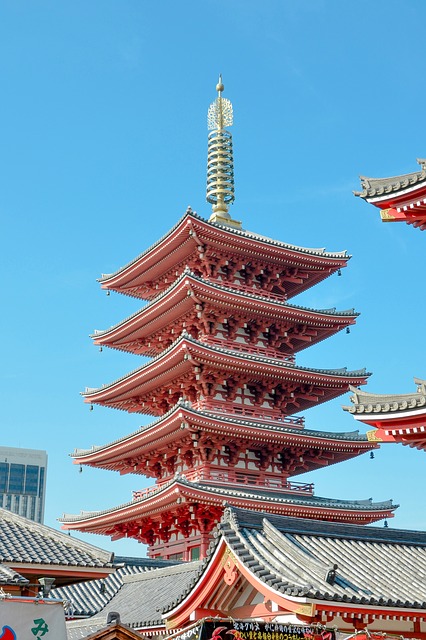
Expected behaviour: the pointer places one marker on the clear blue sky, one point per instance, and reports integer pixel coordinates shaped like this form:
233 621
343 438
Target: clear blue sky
103 146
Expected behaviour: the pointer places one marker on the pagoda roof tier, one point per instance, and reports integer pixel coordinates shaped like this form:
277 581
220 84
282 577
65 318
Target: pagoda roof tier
181 493
397 418
189 365
183 423
193 301
401 198
195 242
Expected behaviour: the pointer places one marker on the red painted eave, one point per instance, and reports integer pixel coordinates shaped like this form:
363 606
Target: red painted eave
192 232
181 421
182 298
185 354
160 499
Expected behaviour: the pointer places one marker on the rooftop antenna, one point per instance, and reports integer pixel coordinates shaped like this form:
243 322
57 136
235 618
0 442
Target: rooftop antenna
220 160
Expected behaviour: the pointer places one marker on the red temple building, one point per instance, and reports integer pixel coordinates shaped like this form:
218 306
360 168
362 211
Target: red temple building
400 199
222 381
396 418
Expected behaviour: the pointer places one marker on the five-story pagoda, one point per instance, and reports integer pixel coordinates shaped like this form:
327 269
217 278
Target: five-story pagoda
222 382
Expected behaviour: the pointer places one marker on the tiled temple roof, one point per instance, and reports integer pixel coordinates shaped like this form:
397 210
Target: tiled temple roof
372 403
9 576
292 498
375 566
353 436
227 289
294 556
140 600
246 234
27 542
85 599
376 187
246 492
341 372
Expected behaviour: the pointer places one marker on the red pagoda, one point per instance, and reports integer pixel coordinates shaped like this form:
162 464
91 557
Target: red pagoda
222 382
400 199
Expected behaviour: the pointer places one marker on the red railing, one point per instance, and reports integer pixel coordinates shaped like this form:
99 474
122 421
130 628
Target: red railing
251 349
232 410
262 293
228 476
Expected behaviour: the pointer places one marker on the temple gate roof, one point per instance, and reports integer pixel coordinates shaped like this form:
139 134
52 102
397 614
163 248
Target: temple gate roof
332 566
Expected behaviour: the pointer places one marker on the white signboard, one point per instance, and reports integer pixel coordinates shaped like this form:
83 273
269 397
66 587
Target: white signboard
31 620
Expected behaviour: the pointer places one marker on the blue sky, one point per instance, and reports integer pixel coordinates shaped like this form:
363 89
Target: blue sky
103 146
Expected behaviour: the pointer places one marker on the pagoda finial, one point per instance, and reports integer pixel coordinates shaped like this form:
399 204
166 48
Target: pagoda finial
220 161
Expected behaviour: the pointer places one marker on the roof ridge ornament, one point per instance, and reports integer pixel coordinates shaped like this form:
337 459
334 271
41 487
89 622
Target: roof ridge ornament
220 160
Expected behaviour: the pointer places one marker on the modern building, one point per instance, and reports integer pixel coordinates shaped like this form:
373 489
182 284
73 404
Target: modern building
23 481
223 381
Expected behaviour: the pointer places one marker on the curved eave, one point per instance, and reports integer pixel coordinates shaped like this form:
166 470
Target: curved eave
189 290
192 232
377 189
181 421
180 358
105 522
387 406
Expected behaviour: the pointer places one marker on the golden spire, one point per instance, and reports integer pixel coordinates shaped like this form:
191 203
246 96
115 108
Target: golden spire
220 161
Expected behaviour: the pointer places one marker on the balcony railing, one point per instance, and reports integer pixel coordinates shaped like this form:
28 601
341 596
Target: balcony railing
257 414
234 476
226 477
240 347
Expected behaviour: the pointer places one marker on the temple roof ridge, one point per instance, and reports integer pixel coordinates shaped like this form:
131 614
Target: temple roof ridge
380 186
365 401
189 214
240 518
341 372
291 498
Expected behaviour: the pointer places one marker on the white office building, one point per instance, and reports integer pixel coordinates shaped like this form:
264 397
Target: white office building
23 481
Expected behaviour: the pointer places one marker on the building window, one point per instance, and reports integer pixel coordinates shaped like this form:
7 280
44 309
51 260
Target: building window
23 506
195 553
33 509
41 487
4 476
31 480
16 479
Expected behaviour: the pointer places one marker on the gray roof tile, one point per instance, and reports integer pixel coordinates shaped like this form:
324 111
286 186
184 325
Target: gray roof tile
364 402
25 541
297 554
88 598
155 589
376 187
9 576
